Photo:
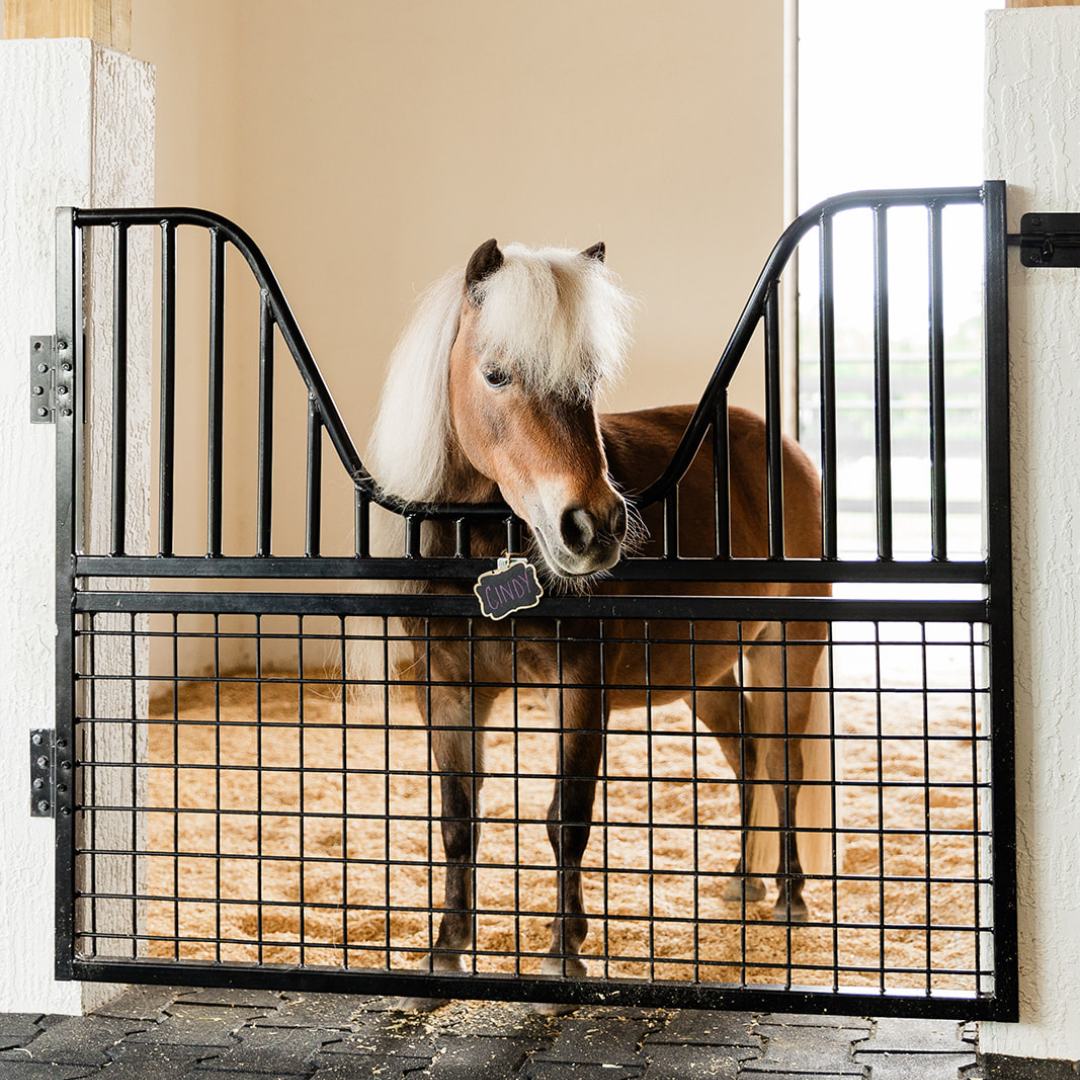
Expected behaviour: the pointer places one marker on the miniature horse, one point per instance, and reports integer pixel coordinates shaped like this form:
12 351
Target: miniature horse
491 393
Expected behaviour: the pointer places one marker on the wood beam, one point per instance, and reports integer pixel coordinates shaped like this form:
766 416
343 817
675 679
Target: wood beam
108 22
1041 3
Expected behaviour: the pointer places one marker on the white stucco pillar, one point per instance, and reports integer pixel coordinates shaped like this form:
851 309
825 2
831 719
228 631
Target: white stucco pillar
76 128
1032 140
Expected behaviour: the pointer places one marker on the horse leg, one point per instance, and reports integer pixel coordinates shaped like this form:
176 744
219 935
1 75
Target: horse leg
720 712
457 745
790 905
569 822
786 716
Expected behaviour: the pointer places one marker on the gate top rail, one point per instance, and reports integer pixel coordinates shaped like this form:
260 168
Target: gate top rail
710 415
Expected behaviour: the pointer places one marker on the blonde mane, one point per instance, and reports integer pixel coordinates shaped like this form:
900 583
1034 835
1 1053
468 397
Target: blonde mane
557 318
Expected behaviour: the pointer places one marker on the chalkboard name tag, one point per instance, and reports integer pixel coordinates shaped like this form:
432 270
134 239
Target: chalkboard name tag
511 587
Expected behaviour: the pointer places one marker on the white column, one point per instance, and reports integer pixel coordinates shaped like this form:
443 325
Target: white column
1032 140
76 128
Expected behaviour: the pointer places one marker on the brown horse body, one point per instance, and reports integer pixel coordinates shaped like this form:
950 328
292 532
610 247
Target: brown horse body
635 443
543 448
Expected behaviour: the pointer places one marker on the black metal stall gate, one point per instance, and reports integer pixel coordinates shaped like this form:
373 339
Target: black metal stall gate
230 810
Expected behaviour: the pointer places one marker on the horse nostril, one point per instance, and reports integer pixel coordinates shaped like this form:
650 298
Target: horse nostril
577 530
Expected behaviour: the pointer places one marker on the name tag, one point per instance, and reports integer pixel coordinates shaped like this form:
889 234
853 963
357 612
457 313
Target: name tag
511 587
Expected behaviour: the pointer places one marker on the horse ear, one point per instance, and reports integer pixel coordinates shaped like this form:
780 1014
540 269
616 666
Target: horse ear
485 260
597 251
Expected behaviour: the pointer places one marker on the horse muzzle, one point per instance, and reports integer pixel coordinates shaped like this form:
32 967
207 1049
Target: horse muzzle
585 540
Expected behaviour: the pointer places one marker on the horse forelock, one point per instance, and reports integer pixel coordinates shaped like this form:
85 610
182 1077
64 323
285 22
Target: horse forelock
559 320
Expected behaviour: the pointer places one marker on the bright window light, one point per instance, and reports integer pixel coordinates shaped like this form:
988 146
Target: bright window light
890 95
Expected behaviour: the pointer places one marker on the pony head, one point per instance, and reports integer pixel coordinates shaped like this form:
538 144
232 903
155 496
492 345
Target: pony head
494 384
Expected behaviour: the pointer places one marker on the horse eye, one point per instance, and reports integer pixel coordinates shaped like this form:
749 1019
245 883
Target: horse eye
496 378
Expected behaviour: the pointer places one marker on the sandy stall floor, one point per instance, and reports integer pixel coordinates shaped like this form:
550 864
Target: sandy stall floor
342 854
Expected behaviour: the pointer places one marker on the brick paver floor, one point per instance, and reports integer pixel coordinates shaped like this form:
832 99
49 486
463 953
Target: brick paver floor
156 1033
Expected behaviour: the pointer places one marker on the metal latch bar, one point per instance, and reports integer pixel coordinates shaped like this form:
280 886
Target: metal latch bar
1048 240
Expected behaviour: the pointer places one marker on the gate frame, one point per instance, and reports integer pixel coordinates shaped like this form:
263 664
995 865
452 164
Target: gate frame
994 572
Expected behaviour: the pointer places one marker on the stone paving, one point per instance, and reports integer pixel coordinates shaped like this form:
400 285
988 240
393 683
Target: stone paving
161 1033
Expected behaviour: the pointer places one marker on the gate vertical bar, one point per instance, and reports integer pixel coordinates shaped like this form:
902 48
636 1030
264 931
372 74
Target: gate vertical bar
362 524
999 557
266 425
774 446
167 422
827 330
722 475
68 507
937 389
216 391
119 388
671 523
882 395
313 533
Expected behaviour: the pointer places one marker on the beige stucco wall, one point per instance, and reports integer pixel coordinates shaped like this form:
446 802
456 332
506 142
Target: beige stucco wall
1032 120
368 146
97 107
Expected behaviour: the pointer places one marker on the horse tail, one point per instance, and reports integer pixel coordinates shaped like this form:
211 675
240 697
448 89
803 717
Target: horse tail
812 748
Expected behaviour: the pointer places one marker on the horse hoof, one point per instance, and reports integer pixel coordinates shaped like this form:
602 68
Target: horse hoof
560 967
427 1004
564 967
551 1008
416 1004
754 889
795 911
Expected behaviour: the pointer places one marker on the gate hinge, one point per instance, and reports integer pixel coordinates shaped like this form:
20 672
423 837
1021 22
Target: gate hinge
1048 240
43 772
51 383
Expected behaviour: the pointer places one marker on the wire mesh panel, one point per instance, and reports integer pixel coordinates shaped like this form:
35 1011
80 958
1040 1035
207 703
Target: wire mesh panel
294 816
738 771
